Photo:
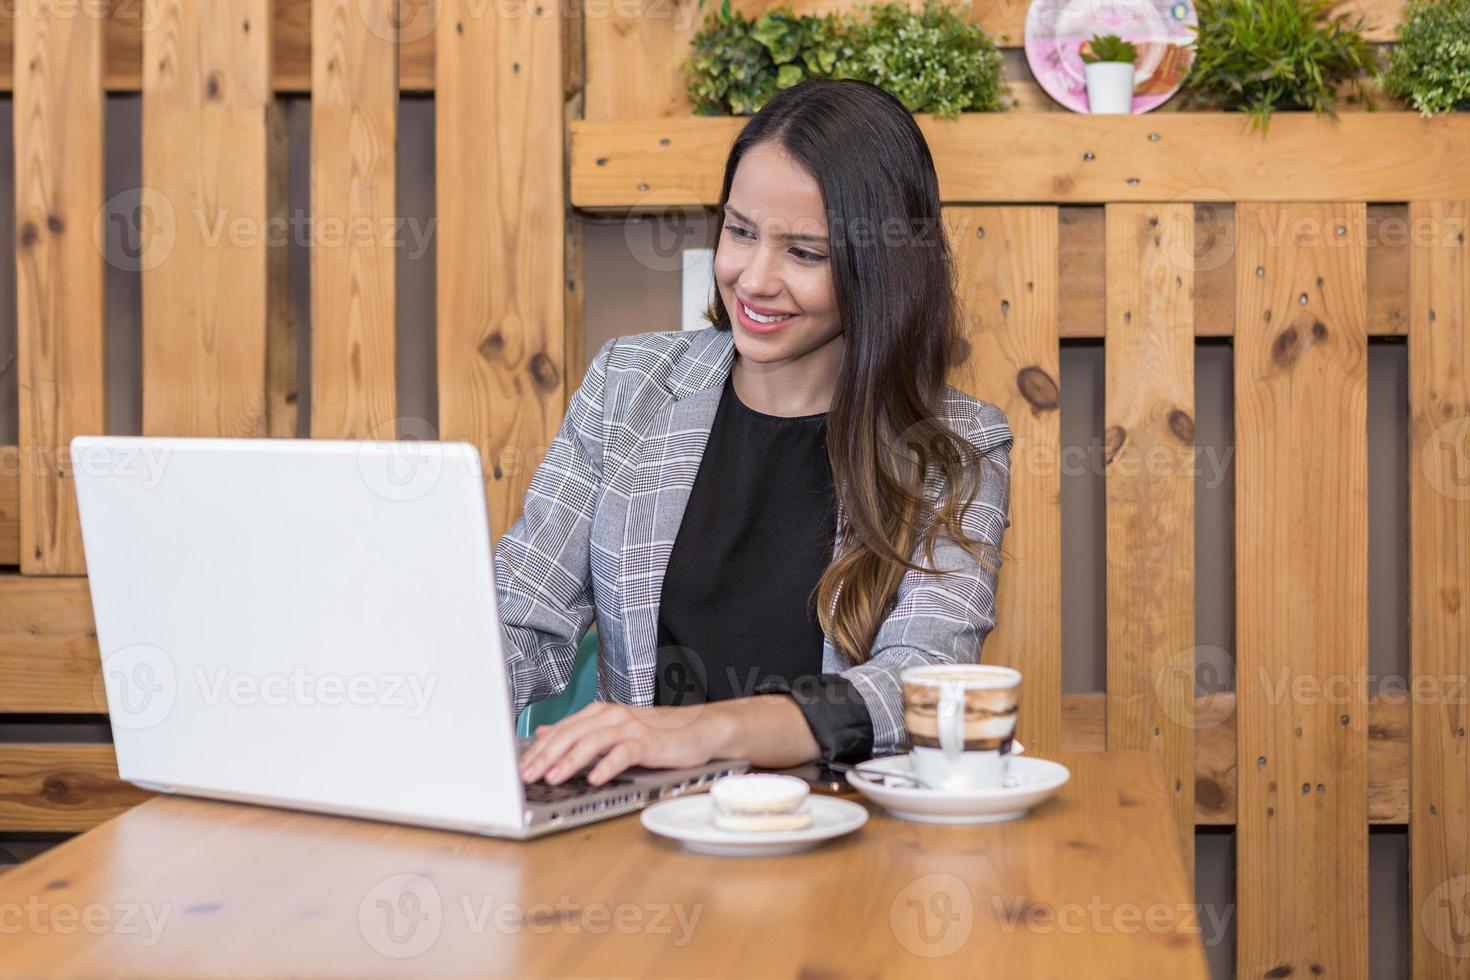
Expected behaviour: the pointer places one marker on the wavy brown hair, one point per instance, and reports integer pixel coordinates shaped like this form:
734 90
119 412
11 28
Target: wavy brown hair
893 273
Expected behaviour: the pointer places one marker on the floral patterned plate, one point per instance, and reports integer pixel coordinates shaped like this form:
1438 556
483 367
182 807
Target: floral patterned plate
1058 31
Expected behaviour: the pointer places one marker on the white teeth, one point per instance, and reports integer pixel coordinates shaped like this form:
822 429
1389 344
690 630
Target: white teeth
764 319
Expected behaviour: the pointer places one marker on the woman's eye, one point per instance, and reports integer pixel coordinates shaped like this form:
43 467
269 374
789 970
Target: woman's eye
737 230
807 256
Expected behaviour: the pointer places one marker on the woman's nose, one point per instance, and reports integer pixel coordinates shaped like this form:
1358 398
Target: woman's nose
759 278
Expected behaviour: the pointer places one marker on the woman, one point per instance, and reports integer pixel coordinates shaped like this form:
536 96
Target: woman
691 499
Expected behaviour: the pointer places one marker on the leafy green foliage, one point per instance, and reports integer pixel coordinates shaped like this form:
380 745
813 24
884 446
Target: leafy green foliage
1267 55
1109 47
932 61
1429 67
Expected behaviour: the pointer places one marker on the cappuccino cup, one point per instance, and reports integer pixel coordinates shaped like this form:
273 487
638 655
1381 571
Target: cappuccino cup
961 719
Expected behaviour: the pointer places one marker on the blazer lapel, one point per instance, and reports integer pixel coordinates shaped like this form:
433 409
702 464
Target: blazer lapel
670 457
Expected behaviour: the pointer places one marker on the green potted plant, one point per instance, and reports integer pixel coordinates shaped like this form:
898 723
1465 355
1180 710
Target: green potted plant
933 60
1262 56
1429 67
1108 61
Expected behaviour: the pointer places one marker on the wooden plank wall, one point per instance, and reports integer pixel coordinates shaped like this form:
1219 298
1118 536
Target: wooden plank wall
1439 572
354 166
1301 504
1166 259
1148 442
1007 261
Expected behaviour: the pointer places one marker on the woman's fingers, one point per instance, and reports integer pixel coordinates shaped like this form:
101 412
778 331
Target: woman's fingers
584 750
553 742
618 758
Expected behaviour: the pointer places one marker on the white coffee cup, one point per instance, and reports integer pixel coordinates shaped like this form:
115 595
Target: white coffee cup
961 720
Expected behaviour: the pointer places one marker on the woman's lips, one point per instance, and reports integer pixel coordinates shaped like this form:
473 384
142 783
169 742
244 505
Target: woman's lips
760 328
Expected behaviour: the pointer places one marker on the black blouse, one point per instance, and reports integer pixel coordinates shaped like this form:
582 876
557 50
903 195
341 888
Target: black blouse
737 614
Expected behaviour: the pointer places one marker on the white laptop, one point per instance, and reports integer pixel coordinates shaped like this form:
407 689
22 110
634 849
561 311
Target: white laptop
312 624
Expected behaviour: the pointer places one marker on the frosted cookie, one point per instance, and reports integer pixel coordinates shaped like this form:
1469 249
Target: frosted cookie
760 802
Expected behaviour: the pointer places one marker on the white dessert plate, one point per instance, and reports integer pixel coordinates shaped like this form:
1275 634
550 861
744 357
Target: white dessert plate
691 821
1031 781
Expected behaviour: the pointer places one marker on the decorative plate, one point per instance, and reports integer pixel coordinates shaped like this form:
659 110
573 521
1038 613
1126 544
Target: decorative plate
1058 31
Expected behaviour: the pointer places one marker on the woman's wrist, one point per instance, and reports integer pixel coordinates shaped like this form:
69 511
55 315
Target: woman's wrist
769 730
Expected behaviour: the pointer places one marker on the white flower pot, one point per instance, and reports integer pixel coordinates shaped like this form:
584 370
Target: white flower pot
1109 87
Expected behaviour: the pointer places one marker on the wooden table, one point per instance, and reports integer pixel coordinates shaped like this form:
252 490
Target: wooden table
1090 884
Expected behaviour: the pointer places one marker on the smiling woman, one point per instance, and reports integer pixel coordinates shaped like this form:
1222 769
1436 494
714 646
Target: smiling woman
772 517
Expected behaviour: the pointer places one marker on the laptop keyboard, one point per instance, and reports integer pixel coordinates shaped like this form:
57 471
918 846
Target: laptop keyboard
541 791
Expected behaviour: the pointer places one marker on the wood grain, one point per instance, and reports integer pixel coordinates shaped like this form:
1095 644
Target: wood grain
501 343
49 660
1301 588
61 787
9 505
60 331
1149 443
1439 517
1006 261
354 142
1068 158
204 218
1080 887
32 678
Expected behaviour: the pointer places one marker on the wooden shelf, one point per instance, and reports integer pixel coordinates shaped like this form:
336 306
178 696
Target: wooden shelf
1068 158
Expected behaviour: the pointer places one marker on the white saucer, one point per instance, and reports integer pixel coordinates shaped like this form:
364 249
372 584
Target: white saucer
1031 781
691 821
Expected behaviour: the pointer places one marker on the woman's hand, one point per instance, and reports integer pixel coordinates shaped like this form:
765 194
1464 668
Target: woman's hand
661 737
769 730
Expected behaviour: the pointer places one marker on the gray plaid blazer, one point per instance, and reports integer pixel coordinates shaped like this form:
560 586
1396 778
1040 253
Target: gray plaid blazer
606 503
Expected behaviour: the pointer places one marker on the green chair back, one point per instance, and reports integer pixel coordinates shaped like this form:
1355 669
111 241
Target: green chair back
578 693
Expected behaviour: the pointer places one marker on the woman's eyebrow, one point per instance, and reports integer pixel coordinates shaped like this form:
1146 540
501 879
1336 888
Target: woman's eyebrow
822 239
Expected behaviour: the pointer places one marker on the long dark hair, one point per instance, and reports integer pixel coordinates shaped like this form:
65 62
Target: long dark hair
894 280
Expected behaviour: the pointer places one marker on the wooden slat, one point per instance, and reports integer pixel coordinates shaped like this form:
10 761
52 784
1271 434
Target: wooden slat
1439 574
1084 720
9 505
354 140
1073 158
62 787
49 661
1301 588
1149 440
291 43
204 208
59 276
282 381
501 360
1007 267
1083 275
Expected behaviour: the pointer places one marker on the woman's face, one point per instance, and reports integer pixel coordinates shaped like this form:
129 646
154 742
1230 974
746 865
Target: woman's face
773 258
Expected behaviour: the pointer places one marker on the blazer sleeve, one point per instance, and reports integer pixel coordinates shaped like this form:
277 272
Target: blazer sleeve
939 619
543 579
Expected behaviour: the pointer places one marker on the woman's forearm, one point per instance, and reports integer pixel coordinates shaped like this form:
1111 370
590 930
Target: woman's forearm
767 729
